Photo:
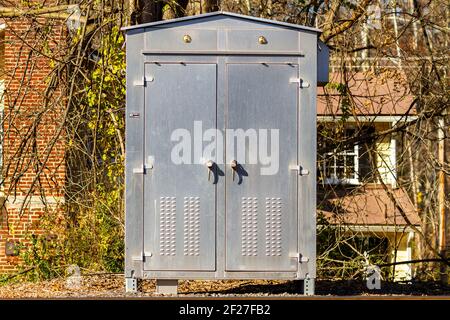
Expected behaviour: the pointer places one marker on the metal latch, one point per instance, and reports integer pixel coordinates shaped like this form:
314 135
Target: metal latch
301 171
301 83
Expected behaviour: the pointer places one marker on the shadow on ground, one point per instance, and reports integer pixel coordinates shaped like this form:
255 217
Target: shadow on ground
329 287
112 286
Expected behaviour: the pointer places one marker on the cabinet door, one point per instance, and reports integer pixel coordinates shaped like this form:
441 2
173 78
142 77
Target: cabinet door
179 194
261 198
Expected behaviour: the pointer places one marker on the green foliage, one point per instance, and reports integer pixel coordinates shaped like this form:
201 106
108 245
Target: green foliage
42 258
345 105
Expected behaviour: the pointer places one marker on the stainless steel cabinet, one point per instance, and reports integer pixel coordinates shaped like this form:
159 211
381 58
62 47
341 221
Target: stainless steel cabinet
243 89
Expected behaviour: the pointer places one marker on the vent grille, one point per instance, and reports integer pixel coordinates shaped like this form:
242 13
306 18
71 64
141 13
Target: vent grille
273 226
249 226
191 226
168 225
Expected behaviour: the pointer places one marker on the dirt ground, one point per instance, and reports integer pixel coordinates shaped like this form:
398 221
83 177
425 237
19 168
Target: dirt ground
112 286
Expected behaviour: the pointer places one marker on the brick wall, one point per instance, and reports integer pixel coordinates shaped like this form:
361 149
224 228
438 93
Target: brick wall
33 147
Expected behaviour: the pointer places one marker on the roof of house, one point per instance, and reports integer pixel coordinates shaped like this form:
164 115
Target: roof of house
367 205
386 94
225 14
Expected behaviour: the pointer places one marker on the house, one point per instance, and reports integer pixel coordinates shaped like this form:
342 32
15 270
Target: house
357 162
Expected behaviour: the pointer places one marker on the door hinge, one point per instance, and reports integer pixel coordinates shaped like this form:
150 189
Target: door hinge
138 258
142 257
301 171
140 170
145 167
143 81
300 258
301 83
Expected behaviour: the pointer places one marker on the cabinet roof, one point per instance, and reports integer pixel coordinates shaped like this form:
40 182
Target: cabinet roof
221 14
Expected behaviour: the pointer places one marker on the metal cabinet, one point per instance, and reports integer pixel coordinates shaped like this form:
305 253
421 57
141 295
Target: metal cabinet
220 158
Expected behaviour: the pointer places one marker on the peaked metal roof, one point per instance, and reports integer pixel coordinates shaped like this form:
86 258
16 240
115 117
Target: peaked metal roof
222 13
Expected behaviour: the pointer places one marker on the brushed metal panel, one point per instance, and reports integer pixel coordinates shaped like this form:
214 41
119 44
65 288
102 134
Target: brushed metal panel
260 96
307 149
179 199
172 39
277 40
134 184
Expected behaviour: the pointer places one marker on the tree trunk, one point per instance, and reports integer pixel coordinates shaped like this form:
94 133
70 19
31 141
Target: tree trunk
210 6
441 201
148 11
397 45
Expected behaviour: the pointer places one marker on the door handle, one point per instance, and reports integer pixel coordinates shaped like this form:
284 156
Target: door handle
233 166
210 166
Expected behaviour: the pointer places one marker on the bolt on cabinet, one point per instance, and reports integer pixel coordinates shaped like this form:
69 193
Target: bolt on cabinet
220 149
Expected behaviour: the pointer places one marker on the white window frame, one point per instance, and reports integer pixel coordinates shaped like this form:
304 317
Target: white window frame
334 179
388 177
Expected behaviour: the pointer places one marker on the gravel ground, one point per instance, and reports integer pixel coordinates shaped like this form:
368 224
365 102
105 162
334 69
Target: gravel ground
112 286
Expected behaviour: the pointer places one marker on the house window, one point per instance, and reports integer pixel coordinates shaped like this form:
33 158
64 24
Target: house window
340 165
343 162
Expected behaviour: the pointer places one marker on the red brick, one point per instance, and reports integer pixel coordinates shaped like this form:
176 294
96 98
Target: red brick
25 83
